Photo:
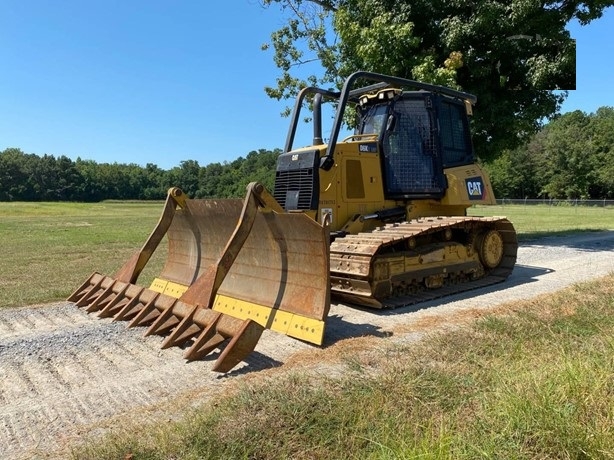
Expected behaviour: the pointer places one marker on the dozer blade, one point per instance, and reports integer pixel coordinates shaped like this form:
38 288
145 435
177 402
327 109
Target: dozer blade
233 268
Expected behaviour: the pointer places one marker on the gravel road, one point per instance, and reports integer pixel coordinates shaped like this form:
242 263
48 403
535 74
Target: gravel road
66 375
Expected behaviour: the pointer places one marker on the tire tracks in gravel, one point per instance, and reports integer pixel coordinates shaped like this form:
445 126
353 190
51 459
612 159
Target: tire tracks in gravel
62 370
64 373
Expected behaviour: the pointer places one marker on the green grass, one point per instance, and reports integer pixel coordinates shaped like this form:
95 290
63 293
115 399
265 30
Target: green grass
533 221
533 381
49 249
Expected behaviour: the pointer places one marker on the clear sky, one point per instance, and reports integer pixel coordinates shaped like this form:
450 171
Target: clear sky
161 81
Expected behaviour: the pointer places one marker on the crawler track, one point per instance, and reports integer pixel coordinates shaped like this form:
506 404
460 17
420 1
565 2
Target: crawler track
365 267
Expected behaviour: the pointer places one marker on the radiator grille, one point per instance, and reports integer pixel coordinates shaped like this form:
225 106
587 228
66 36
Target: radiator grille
296 180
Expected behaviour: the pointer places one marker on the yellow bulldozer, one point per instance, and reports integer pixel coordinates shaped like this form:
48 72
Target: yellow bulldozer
377 219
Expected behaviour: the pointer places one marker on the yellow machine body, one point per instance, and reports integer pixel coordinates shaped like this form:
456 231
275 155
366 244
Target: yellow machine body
354 188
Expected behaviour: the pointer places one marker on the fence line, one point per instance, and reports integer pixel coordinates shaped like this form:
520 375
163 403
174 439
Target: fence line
553 202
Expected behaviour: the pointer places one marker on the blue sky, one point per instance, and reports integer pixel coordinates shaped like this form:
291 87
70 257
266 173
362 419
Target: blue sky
135 81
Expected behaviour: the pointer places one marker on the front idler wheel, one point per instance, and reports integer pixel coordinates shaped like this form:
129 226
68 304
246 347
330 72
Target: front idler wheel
490 248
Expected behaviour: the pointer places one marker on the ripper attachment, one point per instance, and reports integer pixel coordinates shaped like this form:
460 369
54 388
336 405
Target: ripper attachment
233 268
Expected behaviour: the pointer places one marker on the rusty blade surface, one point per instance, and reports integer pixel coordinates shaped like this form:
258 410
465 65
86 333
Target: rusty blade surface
233 267
283 263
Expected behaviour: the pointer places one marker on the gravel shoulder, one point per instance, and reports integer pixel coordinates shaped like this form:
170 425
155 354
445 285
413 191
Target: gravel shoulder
66 375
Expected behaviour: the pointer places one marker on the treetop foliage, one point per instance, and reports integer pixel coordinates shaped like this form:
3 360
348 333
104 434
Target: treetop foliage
513 54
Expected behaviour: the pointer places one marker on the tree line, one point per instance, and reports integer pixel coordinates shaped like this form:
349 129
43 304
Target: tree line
571 157
30 177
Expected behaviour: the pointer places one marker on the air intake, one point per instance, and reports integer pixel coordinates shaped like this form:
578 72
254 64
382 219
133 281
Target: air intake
296 180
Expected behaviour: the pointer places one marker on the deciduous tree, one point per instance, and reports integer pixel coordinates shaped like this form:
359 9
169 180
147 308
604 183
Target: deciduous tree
512 54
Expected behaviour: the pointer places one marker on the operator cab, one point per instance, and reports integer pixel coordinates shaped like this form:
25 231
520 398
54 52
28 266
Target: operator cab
419 128
415 148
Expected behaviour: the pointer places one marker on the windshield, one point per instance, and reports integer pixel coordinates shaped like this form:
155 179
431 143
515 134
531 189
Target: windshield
373 120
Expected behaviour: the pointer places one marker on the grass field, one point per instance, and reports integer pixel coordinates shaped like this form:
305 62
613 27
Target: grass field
49 249
533 221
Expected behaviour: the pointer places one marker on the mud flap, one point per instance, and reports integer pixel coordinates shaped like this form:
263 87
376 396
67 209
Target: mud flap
233 268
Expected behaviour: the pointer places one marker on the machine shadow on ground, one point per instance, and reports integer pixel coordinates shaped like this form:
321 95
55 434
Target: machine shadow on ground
339 329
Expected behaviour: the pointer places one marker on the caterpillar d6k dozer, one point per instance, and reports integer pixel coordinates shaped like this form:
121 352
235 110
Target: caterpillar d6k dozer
378 220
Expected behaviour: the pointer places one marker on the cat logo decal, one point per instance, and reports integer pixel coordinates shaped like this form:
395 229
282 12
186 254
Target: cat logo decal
475 188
